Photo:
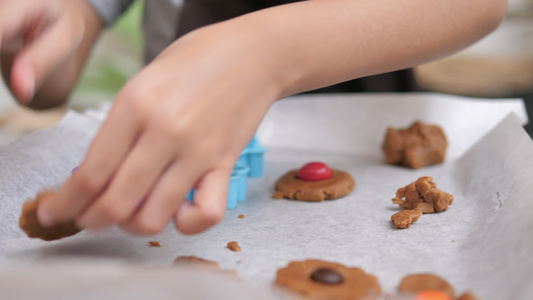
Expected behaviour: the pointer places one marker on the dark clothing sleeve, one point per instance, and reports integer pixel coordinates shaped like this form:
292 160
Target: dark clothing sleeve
110 10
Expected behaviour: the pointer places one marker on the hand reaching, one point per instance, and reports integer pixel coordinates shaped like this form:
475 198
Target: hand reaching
180 123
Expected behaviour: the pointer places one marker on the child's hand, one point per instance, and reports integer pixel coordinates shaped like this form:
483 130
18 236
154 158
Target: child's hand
38 39
181 122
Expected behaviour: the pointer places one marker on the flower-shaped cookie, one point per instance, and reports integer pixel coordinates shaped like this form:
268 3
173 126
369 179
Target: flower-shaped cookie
327 280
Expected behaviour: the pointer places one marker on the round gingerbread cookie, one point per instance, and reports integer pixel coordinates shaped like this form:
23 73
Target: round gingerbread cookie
318 279
412 284
291 185
194 260
29 223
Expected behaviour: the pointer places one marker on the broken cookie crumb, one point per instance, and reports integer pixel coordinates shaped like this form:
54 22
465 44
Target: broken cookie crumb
405 218
154 244
234 246
423 195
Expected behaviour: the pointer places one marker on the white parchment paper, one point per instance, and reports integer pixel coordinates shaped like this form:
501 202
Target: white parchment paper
483 243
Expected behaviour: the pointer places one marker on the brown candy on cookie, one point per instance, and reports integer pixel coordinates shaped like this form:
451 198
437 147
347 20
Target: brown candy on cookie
423 195
318 279
29 223
314 182
415 147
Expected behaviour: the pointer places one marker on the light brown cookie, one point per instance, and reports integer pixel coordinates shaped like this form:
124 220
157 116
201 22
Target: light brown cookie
318 279
412 284
423 195
467 296
291 187
196 261
29 223
415 147
405 218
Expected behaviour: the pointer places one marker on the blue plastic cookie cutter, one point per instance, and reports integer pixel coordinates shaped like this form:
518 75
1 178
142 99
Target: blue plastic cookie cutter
250 164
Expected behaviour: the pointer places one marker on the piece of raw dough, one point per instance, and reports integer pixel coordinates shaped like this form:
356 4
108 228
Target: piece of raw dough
423 195
415 147
405 218
29 223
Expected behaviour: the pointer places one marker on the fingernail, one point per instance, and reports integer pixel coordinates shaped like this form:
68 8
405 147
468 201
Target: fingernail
30 84
183 207
44 216
27 80
74 170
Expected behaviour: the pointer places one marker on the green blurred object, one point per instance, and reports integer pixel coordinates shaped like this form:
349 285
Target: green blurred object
115 59
129 26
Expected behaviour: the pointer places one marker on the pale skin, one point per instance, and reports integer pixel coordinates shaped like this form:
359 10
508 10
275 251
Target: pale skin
183 120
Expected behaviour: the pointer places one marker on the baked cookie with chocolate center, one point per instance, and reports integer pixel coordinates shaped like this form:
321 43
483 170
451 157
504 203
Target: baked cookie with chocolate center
318 279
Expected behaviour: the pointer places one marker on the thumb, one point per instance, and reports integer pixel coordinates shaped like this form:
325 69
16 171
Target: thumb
45 54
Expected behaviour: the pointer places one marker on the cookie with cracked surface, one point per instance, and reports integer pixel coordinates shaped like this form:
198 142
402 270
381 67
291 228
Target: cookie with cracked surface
314 184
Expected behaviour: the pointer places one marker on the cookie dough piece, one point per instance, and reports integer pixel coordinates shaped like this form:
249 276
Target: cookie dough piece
291 187
415 147
467 296
154 244
29 223
318 279
423 195
196 261
234 246
405 218
412 284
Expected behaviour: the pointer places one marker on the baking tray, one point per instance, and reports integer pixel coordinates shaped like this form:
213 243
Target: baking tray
482 243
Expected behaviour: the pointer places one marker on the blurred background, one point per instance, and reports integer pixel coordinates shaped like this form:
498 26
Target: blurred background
499 66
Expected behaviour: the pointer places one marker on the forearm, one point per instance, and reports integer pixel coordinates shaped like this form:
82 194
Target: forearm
311 44
58 85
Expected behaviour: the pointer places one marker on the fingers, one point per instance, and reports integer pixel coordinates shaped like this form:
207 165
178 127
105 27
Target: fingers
108 151
132 183
57 44
48 35
159 207
210 200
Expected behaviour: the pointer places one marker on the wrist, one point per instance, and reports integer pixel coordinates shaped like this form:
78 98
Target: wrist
239 51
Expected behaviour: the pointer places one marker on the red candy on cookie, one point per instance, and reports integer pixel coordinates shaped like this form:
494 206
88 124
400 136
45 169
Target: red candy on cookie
314 171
